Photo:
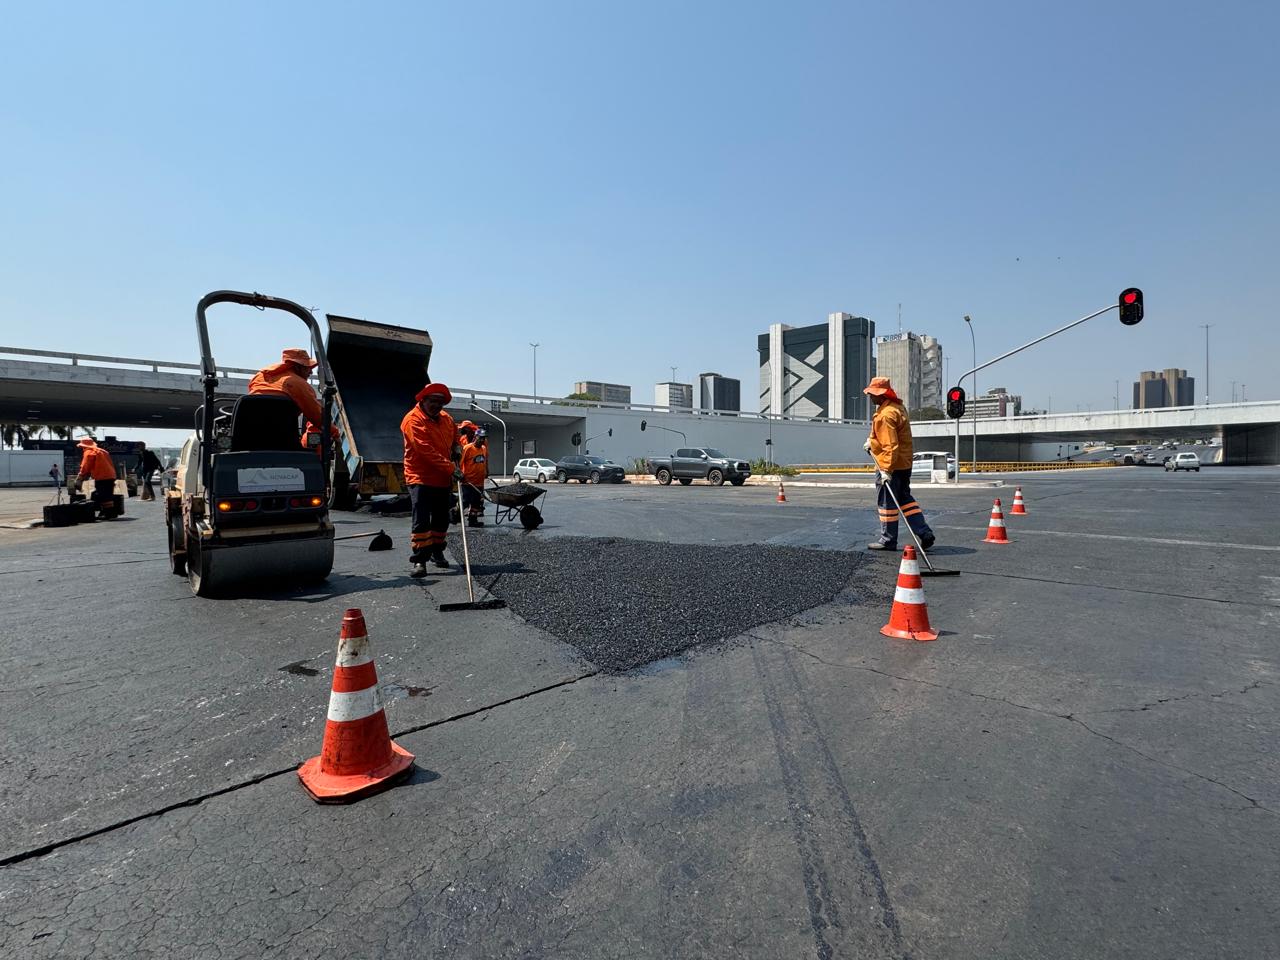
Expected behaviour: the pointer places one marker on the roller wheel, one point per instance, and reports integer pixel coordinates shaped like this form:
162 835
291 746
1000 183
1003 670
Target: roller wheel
177 557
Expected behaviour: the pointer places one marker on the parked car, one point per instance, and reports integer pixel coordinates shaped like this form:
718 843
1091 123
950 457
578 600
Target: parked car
588 470
1183 461
535 468
700 463
922 465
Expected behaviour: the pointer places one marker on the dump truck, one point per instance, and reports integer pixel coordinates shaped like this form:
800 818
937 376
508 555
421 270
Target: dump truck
378 368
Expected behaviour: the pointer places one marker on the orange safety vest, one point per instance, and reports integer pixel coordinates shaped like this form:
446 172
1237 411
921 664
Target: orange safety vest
96 463
428 448
280 380
475 463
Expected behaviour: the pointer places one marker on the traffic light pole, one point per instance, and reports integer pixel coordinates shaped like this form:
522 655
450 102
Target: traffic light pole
1005 356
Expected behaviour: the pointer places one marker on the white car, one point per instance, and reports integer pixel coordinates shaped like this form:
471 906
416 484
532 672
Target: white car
535 468
1183 461
922 465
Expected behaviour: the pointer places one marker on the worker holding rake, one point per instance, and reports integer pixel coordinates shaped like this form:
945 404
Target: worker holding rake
431 455
890 445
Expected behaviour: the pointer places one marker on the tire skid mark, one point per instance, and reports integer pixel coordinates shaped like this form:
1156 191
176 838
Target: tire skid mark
826 826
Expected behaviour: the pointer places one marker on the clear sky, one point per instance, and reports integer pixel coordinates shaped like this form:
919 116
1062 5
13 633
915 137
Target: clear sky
643 185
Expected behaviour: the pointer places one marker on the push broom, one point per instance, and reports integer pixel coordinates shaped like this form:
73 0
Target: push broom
472 603
930 570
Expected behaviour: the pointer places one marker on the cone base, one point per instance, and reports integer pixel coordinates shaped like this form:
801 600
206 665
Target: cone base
890 631
1017 513
1001 540
332 788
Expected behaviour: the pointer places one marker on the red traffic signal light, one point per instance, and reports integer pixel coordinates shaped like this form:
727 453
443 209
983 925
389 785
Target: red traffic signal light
955 394
955 403
1130 306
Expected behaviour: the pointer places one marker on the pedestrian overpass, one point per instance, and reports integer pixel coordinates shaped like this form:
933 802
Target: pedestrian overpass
50 387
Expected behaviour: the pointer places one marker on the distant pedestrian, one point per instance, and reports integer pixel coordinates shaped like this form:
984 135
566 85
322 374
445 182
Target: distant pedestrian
890 445
431 455
148 464
56 474
95 464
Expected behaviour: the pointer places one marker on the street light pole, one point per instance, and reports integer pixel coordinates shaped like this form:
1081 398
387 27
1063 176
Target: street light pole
974 342
535 370
1206 361
475 406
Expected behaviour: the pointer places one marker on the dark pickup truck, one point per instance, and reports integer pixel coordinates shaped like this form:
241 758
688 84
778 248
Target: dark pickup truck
700 463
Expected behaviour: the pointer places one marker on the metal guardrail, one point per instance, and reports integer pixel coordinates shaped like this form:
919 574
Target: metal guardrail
155 365
984 466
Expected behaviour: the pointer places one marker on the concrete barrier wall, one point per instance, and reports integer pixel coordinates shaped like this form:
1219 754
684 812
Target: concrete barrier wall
27 468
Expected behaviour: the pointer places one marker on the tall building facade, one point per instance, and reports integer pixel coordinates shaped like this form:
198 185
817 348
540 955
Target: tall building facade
1165 388
673 396
719 393
819 370
913 364
607 392
932 388
996 402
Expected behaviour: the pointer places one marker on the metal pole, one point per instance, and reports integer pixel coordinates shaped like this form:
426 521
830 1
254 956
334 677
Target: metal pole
535 371
974 342
1206 361
476 406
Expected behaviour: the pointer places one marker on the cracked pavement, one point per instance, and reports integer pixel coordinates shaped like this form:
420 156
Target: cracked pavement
1083 764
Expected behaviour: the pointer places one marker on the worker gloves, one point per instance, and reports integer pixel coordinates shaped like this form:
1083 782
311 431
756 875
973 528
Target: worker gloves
866 445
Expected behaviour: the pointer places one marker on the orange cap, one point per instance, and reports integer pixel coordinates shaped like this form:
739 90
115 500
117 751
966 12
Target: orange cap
434 388
88 442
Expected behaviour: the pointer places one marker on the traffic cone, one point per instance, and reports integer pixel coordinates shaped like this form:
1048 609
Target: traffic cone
1018 506
358 757
782 494
995 529
909 619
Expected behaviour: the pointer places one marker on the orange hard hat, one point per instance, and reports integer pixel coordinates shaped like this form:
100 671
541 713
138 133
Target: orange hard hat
88 442
878 387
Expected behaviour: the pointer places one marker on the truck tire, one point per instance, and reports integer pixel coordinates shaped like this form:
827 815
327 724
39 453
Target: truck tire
739 482
715 478
685 481
561 477
664 477
595 476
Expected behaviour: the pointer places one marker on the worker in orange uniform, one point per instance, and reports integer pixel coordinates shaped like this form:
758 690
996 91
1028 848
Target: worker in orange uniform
95 464
466 432
431 456
890 445
475 469
288 378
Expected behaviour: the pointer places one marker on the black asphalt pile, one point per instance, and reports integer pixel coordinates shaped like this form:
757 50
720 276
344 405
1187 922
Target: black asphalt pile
625 603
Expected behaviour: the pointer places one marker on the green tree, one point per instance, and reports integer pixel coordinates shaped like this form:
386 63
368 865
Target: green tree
580 396
928 413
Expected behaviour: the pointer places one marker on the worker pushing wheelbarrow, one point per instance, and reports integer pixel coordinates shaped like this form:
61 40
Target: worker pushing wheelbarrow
510 501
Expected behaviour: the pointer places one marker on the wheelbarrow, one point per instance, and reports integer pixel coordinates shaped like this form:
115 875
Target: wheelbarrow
515 501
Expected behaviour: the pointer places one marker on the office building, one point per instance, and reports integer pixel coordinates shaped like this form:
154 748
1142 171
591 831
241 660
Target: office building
913 364
996 402
932 389
607 392
673 396
1165 388
819 370
720 394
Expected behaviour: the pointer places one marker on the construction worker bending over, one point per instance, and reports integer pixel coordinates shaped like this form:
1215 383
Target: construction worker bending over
148 464
431 453
890 445
475 468
288 378
95 464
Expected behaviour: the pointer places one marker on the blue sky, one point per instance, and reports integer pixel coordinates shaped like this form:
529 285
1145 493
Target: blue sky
642 185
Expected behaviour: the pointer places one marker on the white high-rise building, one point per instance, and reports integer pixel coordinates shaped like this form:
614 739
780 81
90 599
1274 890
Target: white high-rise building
818 370
673 396
913 363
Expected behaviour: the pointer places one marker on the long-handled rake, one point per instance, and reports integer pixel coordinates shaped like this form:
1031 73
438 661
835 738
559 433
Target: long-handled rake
930 570
472 603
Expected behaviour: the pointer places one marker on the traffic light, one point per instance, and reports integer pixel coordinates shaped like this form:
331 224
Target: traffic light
576 439
955 403
1131 306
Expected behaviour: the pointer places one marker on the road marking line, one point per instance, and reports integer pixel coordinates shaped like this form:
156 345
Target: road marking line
1113 536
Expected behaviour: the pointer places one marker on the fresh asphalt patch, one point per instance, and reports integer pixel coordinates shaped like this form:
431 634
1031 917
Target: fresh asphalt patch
625 603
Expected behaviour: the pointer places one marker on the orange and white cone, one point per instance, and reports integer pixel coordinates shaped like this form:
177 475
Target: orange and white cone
782 494
1019 507
995 529
358 757
909 618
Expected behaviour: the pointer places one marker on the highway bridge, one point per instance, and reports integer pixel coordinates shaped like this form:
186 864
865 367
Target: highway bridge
50 387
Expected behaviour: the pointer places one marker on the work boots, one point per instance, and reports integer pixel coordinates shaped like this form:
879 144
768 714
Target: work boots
417 570
437 557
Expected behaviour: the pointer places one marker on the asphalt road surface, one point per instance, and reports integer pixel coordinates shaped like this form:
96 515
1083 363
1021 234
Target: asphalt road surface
1082 765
